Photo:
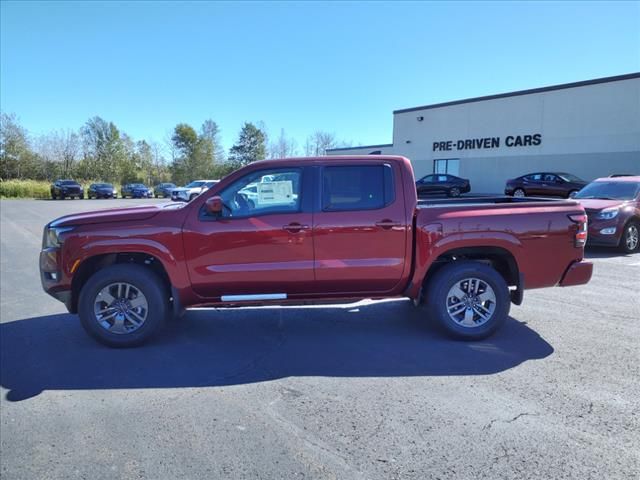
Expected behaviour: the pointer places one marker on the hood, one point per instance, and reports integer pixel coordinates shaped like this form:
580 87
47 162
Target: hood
599 204
180 189
127 214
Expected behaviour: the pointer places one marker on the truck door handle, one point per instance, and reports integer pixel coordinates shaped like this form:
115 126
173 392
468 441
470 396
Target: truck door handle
387 224
295 227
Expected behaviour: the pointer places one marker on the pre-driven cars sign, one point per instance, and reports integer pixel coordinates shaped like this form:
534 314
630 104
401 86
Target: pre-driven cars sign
488 142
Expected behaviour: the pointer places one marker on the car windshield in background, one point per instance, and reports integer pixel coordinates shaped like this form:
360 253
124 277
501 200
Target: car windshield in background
570 178
195 184
610 190
104 185
138 185
68 182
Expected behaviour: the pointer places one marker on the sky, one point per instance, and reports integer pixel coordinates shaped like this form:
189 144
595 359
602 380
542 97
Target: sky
341 67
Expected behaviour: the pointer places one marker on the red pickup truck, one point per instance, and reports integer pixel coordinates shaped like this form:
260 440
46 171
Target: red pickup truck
312 229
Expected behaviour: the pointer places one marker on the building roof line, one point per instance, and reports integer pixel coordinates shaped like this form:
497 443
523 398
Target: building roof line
362 146
551 88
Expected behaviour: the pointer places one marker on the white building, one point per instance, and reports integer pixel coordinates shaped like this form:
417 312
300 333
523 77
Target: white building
590 129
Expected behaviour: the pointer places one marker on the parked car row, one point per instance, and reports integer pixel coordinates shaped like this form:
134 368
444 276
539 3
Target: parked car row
612 204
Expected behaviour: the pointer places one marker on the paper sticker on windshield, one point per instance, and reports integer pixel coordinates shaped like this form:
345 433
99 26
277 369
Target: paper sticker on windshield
275 193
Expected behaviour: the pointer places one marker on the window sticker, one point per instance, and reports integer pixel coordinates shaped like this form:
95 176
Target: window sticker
275 193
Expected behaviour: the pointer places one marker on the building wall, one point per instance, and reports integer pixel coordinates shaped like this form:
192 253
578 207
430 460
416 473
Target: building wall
590 131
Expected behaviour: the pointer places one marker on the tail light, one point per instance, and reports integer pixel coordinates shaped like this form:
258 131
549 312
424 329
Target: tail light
581 229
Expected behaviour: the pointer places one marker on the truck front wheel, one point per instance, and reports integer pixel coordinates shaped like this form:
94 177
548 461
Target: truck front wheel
123 305
470 300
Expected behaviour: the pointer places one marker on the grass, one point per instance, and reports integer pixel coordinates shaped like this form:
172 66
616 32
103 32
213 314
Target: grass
24 189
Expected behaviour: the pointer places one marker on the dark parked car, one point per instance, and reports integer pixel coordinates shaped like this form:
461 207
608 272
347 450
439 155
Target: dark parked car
101 190
442 183
546 184
136 190
66 188
613 210
163 190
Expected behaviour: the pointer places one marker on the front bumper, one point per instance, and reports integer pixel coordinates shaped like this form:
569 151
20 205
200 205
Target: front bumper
578 273
182 196
51 277
595 237
139 194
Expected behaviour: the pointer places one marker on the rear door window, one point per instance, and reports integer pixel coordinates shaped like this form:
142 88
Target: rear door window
363 187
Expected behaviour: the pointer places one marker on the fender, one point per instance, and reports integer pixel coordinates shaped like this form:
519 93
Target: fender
431 243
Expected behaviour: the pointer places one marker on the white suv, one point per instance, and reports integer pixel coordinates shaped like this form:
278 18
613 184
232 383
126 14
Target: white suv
192 190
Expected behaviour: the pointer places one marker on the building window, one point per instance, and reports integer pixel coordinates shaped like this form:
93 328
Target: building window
447 165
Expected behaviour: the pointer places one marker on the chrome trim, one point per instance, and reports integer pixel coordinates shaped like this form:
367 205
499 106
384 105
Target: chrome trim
248 298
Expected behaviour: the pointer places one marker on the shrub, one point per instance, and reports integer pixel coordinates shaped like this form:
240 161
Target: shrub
24 189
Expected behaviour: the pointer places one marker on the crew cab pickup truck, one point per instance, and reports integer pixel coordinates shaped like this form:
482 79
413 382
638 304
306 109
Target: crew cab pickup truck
317 229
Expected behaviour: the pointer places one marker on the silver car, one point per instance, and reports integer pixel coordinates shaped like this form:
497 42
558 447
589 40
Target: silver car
192 190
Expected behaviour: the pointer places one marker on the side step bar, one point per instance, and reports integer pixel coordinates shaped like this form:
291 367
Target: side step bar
250 298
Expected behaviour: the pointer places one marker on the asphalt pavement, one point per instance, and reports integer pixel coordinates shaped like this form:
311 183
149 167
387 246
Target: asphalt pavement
363 391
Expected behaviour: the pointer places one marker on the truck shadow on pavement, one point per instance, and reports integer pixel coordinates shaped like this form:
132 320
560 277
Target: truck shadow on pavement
604 252
210 348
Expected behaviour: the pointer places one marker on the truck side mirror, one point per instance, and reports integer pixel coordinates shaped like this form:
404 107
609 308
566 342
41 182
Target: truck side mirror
214 205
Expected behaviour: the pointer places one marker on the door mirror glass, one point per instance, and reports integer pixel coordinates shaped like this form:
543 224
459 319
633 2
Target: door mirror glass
214 205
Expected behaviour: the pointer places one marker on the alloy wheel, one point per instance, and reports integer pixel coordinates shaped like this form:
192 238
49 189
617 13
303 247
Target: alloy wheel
121 308
471 302
632 237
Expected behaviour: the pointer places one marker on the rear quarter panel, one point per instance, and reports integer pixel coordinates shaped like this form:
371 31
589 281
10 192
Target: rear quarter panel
539 237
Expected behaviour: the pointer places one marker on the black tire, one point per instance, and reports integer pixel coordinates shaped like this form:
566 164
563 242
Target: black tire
454 192
626 240
81 197
519 192
437 302
53 196
142 279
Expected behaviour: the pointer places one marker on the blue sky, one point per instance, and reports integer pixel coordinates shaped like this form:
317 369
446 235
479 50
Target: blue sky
339 67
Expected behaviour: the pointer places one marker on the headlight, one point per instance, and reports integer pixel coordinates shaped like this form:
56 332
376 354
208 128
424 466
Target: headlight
608 214
52 236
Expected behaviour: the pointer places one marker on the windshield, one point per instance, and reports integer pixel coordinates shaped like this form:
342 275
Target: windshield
570 178
104 185
68 182
195 184
137 185
610 190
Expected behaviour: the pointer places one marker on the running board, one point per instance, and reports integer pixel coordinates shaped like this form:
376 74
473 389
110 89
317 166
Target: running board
251 298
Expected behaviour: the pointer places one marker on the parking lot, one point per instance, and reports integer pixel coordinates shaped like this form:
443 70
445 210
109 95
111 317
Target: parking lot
368 390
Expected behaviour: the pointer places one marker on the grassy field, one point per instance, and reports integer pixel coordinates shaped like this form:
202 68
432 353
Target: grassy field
24 189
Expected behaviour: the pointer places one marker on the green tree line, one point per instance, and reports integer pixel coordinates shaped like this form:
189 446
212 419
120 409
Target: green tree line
99 150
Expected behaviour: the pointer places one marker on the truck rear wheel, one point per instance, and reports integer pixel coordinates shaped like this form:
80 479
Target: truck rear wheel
123 305
470 300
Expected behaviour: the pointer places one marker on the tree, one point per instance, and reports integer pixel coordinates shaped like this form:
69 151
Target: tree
250 146
211 132
318 142
283 147
105 153
194 154
17 160
61 149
